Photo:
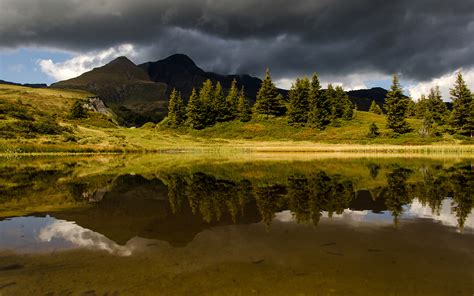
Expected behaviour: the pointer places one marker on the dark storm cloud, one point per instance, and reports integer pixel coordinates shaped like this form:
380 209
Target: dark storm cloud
419 38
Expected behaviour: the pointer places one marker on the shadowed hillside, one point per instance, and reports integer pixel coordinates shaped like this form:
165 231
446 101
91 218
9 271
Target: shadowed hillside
125 88
179 71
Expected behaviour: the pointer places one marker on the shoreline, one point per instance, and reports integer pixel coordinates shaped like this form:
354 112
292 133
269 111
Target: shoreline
247 147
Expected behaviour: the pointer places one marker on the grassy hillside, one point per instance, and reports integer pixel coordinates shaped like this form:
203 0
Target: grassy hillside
126 88
31 113
36 120
343 132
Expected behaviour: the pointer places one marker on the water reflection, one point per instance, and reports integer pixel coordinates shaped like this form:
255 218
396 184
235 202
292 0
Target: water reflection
106 211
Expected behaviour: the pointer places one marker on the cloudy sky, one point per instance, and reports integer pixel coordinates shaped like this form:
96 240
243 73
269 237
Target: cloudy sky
357 43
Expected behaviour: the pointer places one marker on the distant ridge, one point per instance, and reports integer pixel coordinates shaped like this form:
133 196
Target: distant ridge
181 72
32 85
364 97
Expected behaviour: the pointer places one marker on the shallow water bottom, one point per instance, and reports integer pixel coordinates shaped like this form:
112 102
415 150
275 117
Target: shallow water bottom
418 257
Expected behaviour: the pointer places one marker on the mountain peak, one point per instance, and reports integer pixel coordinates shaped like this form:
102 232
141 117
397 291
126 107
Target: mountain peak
180 59
121 61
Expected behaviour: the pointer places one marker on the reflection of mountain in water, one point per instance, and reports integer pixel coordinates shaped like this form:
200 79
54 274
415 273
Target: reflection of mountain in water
135 206
189 203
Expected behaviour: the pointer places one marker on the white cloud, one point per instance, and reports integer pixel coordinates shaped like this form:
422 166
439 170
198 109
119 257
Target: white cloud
84 62
446 215
444 82
414 210
348 82
82 238
284 83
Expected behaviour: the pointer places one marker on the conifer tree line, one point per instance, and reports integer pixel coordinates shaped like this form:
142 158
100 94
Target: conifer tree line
208 106
436 118
308 104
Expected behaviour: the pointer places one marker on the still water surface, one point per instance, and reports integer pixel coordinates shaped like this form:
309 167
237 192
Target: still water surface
189 225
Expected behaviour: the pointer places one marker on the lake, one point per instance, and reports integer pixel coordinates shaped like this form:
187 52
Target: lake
256 224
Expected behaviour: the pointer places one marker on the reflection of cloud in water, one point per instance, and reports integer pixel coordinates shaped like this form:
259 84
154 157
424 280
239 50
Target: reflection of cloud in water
446 215
349 216
414 210
82 238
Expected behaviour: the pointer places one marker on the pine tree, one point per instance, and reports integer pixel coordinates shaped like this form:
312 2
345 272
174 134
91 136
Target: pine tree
462 106
331 97
421 107
396 105
299 102
269 102
426 124
411 109
436 106
77 111
195 111
176 110
206 96
341 105
373 130
232 101
219 104
319 105
375 108
347 106
243 108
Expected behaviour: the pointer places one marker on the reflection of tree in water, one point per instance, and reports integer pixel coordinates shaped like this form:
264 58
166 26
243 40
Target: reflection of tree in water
176 192
270 199
433 190
462 186
373 170
455 182
397 193
299 198
307 196
340 196
213 197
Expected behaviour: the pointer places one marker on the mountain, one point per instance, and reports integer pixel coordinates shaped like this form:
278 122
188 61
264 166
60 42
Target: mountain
140 93
179 71
364 97
125 88
32 85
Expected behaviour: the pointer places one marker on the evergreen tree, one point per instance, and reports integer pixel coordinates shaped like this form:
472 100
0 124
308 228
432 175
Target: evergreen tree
373 130
341 105
176 110
375 108
219 104
196 111
319 105
269 101
396 105
436 106
206 97
421 107
232 101
331 96
411 109
77 110
462 106
299 102
345 102
426 124
243 108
